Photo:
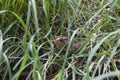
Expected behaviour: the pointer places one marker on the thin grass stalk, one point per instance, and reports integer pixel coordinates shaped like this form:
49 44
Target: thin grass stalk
37 65
46 5
67 52
28 13
1 45
33 3
8 66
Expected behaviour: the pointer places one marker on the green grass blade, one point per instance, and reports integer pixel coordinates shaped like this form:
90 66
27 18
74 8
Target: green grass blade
8 65
67 51
110 74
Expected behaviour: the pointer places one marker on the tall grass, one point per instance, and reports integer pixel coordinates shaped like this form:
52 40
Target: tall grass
27 33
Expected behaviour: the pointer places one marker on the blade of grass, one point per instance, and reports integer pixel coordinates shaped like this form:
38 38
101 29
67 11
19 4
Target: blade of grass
33 3
23 24
9 27
28 13
46 5
67 52
8 65
22 68
1 45
110 74
37 65
92 53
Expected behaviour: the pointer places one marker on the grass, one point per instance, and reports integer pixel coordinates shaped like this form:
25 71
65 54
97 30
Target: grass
27 33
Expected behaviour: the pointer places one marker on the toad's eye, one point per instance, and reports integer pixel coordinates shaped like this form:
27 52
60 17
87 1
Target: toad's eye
61 40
